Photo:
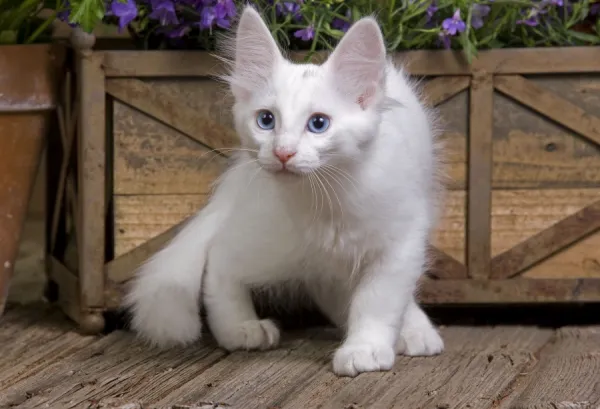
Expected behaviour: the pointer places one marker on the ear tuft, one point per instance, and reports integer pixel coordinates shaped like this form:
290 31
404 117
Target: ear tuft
357 65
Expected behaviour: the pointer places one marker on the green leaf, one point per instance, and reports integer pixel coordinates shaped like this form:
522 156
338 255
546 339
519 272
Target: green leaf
87 13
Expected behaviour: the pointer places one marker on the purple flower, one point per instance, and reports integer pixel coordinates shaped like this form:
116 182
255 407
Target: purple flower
595 9
479 11
454 25
178 32
431 10
126 12
342 24
164 12
531 18
288 7
305 34
225 8
451 27
207 17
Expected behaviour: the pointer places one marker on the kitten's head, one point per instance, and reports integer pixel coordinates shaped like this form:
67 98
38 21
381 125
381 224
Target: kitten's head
301 117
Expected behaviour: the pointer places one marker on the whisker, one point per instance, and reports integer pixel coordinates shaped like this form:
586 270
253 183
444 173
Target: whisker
334 192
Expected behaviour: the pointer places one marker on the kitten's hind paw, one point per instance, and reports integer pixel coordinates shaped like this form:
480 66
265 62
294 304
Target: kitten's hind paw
251 335
350 360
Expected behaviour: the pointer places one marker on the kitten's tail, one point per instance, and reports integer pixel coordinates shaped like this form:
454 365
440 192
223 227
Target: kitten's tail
164 299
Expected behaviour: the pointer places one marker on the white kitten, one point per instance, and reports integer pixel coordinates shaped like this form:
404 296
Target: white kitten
335 190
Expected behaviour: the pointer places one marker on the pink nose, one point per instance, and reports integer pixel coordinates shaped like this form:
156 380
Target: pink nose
283 154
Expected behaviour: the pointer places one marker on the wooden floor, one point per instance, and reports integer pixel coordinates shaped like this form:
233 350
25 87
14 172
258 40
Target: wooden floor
45 363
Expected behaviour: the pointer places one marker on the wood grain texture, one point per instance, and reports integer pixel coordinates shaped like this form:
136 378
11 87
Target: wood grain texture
551 105
170 110
479 185
529 150
111 367
567 375
92 180
33 338
516 290
441 89
547 242
141 217
516 216
520 214
152 158
467 375
543 60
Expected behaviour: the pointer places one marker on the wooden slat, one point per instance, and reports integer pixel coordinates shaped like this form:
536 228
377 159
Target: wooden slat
153 158
92 178
519 214
543 60
567 375
466 375
163 107
480 176
445 266
441 89
160 64
515 290
547 103
139 218
69 297
123 268
547 242
114 365
35 345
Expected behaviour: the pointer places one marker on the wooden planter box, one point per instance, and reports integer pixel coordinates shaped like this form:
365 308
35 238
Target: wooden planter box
522 129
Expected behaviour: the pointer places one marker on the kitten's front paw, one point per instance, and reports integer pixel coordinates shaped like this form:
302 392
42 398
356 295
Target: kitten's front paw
423 341
350 360
262 334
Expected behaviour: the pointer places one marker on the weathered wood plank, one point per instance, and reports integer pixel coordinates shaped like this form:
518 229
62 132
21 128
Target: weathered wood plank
38 338
122 268
479 197
466 375
445 266
541 60
516 290
257 379
92 181
441 89
69 294
567 375
547 242
139 218
520 214
111 367
153 158
165 108
551 105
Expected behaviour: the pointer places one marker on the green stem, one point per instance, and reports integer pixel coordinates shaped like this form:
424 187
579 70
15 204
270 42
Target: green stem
41 28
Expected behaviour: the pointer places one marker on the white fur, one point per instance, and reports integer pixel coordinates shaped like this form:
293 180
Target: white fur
350 219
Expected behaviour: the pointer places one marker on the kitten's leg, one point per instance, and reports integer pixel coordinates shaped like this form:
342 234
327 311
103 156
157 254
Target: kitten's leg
243 260
418 337
231 314
377 308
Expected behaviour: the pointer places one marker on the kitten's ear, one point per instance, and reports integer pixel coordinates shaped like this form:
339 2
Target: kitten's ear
256 54
358 63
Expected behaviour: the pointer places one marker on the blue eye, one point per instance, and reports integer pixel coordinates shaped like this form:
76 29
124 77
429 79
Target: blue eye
265 120
318 123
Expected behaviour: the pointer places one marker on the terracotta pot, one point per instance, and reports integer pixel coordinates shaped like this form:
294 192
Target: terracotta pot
28 88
